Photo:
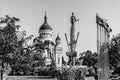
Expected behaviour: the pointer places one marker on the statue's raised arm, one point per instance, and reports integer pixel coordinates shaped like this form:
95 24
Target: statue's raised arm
73 19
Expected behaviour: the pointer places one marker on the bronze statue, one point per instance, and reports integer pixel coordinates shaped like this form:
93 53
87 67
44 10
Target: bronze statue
72 44
73 19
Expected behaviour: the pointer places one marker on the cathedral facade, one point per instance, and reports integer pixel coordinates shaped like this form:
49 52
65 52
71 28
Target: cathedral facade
52 49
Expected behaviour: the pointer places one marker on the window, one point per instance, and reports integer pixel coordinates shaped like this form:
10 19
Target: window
58 59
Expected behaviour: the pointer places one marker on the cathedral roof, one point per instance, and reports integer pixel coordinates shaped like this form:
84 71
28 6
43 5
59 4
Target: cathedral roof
45 25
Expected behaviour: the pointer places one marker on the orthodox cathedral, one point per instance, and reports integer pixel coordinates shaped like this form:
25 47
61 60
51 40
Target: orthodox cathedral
52 49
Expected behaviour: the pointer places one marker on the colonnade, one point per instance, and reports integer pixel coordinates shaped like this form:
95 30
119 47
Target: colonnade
103 31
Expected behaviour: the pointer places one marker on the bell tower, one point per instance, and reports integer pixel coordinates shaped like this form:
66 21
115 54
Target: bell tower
58 52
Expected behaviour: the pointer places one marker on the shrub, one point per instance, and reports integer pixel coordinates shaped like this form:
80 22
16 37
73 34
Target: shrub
70 74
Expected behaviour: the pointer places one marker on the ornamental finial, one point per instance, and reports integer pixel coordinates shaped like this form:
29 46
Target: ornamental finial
45 18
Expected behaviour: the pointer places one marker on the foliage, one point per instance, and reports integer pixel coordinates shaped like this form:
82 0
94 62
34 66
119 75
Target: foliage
37 58
8 36
12 43
90 59
114 54
70 74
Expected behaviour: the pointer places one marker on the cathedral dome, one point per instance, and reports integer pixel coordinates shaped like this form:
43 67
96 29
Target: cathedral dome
45 31
45 25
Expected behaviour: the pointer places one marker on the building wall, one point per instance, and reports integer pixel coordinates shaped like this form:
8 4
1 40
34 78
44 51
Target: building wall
58 52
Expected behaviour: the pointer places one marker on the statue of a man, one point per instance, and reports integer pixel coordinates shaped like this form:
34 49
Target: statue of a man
73 19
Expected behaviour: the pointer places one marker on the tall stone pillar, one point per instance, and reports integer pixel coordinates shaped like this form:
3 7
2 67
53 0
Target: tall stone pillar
72 54
103 31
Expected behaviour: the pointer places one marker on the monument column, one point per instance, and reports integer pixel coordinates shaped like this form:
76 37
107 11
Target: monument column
102 48
72 44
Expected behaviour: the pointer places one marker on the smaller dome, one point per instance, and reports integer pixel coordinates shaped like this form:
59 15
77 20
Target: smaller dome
58 38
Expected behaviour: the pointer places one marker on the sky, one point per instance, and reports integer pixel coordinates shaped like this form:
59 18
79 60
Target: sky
31 14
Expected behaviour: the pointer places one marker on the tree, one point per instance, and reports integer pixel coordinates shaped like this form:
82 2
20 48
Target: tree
90 60
12 41
114 54
37 58
8 36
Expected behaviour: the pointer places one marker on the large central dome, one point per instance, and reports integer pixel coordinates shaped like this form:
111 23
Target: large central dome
45 25
45 31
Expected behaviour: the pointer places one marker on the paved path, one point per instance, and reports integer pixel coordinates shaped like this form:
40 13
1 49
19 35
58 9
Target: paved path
37 78
29 78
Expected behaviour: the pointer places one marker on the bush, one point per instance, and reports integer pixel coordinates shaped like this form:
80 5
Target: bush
70 74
